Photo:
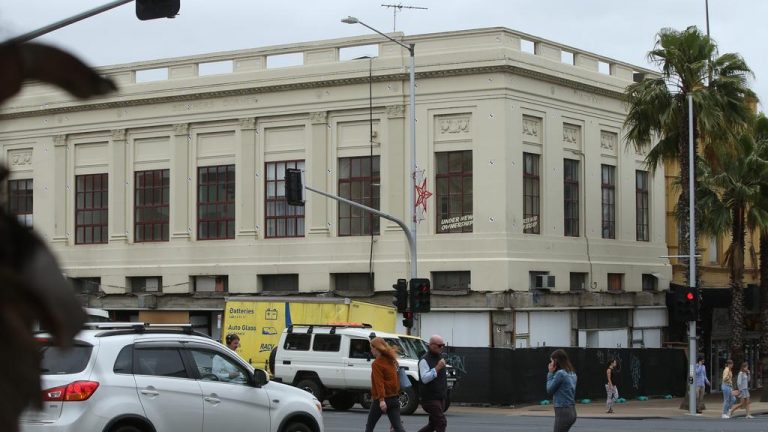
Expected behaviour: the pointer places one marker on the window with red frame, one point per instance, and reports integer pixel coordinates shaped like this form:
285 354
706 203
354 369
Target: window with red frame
531 194
91 208
358 182
615 281
454 192
216 202
282 220
151 198
20 200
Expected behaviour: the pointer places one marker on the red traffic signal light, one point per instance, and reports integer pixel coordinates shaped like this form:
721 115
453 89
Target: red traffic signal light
420 295
689 296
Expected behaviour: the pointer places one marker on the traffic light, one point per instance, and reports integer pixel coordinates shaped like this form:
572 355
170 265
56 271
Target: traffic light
153 9
400 299
294 191
408 319
420 295
686 304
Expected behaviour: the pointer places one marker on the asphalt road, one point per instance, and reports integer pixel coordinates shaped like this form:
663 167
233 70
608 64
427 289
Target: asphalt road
354 420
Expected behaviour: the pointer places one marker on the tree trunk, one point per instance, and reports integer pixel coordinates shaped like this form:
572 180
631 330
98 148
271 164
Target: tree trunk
736 267
764 312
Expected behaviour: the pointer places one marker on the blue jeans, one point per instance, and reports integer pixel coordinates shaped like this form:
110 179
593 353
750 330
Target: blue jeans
728 397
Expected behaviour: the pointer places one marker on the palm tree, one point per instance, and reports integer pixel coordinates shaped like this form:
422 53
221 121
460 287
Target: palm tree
731 197
658 106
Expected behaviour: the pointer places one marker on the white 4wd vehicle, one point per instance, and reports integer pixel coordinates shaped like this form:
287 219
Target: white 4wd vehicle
129 377
334 362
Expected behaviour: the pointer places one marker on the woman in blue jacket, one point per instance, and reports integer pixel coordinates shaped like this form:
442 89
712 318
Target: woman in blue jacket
561 384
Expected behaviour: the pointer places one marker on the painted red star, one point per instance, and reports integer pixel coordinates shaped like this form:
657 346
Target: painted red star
423 194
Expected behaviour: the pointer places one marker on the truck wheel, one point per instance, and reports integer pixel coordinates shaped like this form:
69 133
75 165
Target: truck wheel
365 400
311 386
342 401
409 401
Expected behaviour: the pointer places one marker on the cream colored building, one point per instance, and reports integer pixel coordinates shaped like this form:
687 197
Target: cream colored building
498 114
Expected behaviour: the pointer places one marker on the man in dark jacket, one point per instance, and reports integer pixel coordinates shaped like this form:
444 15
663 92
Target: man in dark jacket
434 385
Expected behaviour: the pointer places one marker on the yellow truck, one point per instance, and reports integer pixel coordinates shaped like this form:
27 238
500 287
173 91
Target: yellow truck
259 321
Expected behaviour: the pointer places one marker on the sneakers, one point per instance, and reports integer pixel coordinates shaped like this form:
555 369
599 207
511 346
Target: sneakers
726 416
749 416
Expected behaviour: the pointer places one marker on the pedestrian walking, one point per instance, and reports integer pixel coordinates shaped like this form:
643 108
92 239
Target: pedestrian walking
727 388
701 380
561 385
611 389
385 387
742 382
434 385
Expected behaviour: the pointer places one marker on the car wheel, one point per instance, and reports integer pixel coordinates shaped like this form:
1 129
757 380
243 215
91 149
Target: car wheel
126 428
311 386
342 401
409 401
365 400
297 427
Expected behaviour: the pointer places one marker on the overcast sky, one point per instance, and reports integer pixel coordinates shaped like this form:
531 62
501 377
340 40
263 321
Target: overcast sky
620 29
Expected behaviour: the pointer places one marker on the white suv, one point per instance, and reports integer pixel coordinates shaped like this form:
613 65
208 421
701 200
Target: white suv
128 377
334 362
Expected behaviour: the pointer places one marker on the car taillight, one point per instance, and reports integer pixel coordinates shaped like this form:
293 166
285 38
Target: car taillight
72 392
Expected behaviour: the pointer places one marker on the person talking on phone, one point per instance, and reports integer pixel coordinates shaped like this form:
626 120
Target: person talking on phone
561 384
434 385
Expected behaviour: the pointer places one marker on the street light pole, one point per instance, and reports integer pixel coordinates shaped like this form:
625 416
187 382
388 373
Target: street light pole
412 119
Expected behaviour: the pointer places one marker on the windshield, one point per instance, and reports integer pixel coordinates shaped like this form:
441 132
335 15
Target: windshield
412 347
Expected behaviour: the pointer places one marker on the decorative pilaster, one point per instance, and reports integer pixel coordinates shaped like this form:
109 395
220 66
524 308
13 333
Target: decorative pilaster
248 198
61 189
118 184
318 214
395 173
182 223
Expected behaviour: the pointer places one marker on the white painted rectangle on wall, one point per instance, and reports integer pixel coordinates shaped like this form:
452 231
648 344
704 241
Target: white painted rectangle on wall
644 318
550 328
464 329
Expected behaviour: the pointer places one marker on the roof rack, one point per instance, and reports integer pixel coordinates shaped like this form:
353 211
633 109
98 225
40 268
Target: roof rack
333 327
114 329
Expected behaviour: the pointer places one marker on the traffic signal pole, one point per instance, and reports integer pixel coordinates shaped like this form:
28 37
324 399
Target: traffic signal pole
408 233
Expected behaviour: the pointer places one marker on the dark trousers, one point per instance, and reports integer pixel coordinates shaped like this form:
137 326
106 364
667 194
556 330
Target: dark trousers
565 417
393 412
437 422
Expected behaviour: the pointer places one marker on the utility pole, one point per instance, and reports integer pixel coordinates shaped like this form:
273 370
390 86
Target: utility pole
399 8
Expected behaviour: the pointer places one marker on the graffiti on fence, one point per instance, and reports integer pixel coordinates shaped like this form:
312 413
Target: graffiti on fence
456 361
635 371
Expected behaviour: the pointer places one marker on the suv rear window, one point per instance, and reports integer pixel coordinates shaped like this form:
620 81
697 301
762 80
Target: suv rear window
297 342
63 361
326 342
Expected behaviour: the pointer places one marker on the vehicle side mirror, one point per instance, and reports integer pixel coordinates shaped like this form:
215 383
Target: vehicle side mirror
260 377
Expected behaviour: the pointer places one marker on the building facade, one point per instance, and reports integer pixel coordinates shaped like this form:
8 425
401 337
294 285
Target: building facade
538 226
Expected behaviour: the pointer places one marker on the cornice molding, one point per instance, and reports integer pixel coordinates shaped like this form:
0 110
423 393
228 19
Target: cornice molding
246 91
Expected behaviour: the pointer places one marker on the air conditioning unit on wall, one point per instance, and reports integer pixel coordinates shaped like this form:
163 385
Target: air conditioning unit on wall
544 282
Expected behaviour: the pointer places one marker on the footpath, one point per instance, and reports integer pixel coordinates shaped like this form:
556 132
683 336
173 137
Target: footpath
632 409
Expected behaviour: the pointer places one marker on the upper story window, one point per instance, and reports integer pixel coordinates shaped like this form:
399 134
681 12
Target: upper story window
460 281
219 284
531 194
641 205
91 208
615 281
20 200
216 202
608 186
454 191
151 199
359 182
282 220
571 197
